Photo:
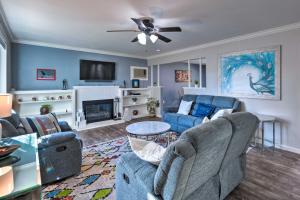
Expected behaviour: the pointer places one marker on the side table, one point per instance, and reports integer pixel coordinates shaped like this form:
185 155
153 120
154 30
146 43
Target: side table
263 120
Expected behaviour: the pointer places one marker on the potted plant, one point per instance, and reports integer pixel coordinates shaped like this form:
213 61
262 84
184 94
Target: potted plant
196 83
45 109
152 104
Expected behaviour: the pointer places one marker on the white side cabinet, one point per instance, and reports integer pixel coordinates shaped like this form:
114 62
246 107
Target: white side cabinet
134 101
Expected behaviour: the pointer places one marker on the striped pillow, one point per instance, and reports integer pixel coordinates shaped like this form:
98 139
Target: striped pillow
41 124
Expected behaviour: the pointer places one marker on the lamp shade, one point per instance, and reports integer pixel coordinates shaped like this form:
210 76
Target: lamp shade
5 105
6 180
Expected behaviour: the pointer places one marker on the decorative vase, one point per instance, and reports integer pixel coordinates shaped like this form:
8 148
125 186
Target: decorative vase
135 112
44 110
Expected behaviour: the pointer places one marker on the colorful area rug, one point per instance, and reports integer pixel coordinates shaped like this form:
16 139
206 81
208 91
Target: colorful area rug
97 177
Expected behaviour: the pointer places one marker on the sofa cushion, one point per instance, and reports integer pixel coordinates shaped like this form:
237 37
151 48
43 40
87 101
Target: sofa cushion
185 107
41 124
171 117
200 110
186 120
206 99
8 130
189 97
223 102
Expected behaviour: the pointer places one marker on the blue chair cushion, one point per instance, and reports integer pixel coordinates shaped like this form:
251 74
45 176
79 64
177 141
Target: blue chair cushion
200 110
186 120
171 117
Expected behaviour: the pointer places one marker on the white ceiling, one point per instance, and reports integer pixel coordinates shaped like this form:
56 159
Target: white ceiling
83 23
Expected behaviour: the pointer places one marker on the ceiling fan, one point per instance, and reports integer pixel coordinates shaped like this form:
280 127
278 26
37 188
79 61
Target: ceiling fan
147 28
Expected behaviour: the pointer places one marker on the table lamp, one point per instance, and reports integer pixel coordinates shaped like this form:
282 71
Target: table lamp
5 107
6 180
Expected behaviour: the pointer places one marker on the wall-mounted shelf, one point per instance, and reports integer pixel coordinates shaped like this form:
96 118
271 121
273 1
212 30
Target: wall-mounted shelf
25 107
39 92
134 89
132 96
43 101
137 104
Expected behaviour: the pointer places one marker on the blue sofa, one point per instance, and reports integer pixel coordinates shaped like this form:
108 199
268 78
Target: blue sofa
207 162
180 123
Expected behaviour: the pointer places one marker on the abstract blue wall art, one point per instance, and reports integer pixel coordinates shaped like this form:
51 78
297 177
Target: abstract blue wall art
251 74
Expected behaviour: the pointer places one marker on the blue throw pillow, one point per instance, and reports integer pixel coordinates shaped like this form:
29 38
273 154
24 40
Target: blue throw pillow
203 110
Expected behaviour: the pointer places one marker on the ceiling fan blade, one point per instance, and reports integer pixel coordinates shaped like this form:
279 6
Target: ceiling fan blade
137 21
163 38
135 39
111 31
170 29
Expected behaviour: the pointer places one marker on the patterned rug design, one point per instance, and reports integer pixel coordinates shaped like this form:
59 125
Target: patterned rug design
97 177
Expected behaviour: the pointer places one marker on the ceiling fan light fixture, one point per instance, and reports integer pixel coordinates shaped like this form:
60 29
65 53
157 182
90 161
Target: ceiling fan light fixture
142 38
153 38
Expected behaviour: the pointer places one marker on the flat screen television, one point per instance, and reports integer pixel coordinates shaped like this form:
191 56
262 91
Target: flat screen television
97 70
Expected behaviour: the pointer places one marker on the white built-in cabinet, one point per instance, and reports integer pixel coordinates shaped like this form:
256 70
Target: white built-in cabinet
28 103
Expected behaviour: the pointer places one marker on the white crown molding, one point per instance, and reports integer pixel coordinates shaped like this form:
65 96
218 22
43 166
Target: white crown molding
192 48
233 39
6 26
53 45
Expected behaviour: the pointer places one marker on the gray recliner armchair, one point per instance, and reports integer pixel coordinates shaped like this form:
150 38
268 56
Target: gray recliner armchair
207 162
60 154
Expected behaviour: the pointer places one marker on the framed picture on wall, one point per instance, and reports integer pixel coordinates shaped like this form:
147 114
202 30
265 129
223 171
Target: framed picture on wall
45 74
135 83
251 74
181 76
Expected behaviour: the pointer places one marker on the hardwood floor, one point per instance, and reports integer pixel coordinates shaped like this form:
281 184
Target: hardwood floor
270 176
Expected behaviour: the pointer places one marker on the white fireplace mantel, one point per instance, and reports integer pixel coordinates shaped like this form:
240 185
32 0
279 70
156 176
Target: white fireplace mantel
88 93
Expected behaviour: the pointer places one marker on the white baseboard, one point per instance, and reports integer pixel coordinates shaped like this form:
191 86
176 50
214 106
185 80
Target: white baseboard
100 124
282 147
288 148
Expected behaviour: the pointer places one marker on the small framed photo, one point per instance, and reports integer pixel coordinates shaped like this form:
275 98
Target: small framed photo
135 83
182 76
45 74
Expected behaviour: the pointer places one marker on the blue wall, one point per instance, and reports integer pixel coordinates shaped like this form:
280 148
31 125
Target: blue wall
26 58
170 88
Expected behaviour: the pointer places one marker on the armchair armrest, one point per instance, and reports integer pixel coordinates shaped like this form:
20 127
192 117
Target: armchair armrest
64 126
55 139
